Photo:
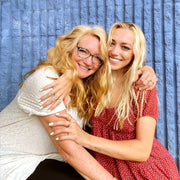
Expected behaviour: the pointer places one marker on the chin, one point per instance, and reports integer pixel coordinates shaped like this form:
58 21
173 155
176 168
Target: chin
82 76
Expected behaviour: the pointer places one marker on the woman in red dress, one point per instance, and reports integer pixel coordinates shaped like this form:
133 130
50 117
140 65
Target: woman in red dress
122 137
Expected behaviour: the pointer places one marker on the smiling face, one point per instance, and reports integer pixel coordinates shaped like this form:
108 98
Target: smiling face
121 48
85 66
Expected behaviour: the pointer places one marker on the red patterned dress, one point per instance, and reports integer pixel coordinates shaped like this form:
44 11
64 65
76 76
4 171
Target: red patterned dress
159 166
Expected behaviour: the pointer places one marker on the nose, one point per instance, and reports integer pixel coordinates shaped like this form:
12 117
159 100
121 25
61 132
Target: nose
88 61
115 50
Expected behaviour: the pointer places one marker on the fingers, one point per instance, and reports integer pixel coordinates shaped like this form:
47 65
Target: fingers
53 92
51 85
146 82
54 98
60 88
61 130
62 122
138 74
66 116
47 95
54 101
60 133
152 83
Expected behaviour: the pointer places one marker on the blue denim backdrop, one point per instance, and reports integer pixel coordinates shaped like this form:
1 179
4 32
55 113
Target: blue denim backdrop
29 27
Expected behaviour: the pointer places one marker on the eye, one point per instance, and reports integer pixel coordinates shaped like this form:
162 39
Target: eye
112 44
125 48
99 59
83 51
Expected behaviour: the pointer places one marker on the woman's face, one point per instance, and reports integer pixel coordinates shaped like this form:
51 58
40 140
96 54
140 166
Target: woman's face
85 63
121 49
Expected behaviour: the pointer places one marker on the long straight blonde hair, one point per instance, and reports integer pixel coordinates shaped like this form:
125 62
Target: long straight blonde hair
128 94
88 92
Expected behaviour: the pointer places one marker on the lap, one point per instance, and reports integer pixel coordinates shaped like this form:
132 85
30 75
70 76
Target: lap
56 170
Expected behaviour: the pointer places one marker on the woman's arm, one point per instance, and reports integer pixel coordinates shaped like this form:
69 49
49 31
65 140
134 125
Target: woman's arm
137 149
145 80
76 155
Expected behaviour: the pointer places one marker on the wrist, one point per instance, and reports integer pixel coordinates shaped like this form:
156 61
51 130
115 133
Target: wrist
86 140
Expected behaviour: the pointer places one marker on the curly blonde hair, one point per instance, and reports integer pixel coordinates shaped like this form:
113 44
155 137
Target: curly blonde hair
88 92
128 94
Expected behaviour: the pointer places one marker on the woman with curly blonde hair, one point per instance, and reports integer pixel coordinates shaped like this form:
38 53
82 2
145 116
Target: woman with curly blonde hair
24 142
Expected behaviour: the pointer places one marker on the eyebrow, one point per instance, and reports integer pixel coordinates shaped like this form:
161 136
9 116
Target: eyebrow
88 50
124 43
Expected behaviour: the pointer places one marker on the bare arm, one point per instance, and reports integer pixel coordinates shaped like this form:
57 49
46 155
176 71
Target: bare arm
76 155
137 149
145 79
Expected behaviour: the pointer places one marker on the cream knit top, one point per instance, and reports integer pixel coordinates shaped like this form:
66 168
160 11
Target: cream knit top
24 143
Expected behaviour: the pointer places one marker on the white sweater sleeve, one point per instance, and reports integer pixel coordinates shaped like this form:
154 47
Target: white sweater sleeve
29 94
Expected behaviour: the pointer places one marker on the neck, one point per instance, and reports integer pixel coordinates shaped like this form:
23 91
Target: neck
117 76
116 91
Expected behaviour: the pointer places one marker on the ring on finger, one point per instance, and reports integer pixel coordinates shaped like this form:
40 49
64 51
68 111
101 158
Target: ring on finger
60 100
69 124
151 81
56 97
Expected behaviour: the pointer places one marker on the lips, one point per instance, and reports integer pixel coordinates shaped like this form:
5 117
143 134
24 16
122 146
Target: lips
114 60
82 67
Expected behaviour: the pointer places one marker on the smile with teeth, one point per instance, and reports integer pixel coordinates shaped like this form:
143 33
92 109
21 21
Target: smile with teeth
115 60
82 67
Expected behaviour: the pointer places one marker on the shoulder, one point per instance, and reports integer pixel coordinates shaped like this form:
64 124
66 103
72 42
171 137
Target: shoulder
147 94
30 92
150 105
41 77
44 72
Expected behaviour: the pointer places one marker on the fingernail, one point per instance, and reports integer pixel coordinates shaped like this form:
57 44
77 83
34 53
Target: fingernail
38 100
57 114
41 90
49 111
52 133
41 107
51 124
57 139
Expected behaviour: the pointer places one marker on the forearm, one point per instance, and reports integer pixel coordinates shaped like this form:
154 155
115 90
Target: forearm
77 156
124 150
137 149
83 162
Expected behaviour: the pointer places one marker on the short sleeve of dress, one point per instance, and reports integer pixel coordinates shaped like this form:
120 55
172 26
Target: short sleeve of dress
150 105
29 94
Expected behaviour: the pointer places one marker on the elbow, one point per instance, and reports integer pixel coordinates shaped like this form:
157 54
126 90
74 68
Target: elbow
144 156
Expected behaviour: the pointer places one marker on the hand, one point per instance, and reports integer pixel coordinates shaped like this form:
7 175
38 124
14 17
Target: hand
60 91
145 78
66 128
